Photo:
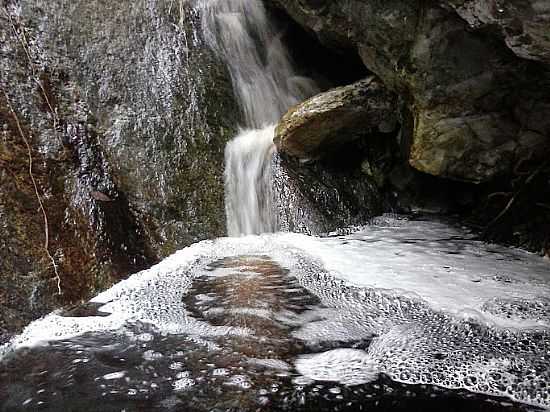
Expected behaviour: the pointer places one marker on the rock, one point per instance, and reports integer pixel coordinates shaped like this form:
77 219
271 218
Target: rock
335 117
325 197
473 148
129 163
100 197
471 72
522 24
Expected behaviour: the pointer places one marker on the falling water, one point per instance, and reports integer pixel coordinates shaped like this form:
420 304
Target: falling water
248 183
266 85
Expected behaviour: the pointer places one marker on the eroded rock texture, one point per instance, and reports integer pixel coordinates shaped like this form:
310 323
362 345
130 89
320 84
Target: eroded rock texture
473 74
126 113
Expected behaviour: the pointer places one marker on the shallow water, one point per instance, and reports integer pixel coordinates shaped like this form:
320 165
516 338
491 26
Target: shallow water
292 322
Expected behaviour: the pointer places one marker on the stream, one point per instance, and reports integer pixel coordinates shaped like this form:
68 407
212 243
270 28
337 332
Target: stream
403 314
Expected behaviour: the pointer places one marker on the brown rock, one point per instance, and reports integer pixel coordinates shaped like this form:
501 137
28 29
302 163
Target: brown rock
472 73
335 117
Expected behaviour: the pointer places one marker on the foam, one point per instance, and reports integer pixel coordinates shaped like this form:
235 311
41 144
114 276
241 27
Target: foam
347 366
419 301
439 263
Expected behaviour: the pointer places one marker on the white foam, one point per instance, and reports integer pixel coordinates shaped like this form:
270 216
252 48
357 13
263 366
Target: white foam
375 257
461 284
114 375
407 285
347 366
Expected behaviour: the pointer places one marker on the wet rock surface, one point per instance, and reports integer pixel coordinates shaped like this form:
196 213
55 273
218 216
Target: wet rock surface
522 24
471 80
126 113
333 118
321 197
466 83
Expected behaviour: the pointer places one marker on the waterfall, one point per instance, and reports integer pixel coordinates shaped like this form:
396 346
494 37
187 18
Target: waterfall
248 196
266 85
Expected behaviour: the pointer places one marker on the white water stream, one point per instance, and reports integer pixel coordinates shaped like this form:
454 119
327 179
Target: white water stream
266 85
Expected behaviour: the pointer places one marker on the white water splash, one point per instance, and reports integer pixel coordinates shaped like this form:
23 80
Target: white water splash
264 80
248 197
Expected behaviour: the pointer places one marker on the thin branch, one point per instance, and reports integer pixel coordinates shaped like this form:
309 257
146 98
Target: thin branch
513 199
20 35
495 194
543 205
36 192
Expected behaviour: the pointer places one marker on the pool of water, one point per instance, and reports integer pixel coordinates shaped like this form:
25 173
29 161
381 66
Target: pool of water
400 315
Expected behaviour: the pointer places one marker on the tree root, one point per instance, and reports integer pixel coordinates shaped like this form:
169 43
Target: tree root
20 35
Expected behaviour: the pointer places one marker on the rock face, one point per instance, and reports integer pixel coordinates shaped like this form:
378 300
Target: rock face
333 118
522 24
126 114
472 74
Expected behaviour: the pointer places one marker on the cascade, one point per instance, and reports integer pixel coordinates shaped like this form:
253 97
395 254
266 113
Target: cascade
266 85
408 313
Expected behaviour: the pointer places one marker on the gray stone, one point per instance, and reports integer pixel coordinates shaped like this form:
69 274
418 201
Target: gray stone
127 113
472 73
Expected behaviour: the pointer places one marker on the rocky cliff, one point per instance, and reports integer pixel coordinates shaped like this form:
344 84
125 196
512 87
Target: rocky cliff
473 74
113 121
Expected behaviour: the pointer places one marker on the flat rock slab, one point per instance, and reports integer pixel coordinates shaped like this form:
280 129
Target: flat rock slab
314 127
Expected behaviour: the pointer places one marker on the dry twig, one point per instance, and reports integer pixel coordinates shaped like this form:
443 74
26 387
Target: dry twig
516 194
20 35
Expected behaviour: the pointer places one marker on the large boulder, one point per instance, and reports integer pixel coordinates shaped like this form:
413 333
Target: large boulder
522 24
473 74
335 117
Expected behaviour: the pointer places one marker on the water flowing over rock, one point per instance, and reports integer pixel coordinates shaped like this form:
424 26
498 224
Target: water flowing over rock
116 122
266 85
265 82
119 101
249 180
476 107
263 192
328 120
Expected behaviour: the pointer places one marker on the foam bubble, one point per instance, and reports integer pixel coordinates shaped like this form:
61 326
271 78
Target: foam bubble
420 302
347 366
